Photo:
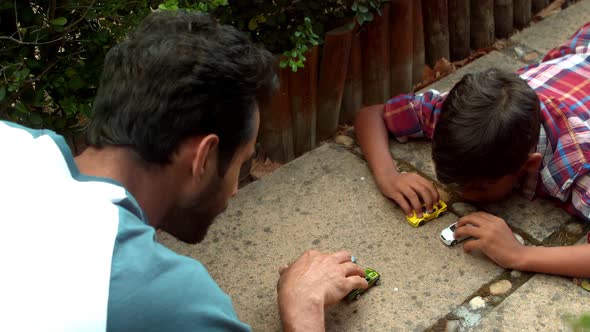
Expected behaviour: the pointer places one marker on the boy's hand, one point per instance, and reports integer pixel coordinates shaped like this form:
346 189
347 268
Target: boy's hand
408 190
492 236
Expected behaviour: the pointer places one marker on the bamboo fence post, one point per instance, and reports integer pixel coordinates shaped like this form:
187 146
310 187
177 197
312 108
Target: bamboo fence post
436 30
419 58
503 18
335 60
459 29
352 100
276 132
376 59
522 13
303 91
482 23
402 48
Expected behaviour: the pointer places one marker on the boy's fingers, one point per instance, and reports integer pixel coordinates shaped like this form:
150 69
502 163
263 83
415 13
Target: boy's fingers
471 245
468 230
411 195
472 219
403 204
425 195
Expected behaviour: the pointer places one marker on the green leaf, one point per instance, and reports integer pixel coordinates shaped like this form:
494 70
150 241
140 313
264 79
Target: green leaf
35 119
314 42
252 24
294 67
363 9
21 108
60 21
2 93
283 64
354 6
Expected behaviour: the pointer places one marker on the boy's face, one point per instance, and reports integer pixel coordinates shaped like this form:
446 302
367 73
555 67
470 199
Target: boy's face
489 191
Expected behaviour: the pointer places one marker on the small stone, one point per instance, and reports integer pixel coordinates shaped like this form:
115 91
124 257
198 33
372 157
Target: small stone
453 326
530 57
344 140
362 178
574 229
515 274
500 287
396 289
519 239
519 51
463 209
477 303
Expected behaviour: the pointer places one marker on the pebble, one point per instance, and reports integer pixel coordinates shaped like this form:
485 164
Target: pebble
515 274
519 239
574 229
344 140
453 325
500 287
477 303
463 209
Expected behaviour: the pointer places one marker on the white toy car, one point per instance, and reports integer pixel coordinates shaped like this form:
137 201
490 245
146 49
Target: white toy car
447 236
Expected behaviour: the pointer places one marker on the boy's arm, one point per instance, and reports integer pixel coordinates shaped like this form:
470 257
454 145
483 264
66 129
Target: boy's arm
495 239
406 189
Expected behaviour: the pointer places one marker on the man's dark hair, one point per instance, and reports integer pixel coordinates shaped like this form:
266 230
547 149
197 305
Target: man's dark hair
489 123
180 75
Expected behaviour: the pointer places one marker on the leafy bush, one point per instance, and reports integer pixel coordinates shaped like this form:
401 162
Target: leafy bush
52 51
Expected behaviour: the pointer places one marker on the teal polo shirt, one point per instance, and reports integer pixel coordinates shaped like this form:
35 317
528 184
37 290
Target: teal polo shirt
79 254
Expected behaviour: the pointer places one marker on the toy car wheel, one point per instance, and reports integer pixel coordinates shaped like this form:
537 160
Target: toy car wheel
421 223
377 282
454 242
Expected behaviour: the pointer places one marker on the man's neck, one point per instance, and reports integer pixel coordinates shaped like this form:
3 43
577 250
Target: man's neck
151 188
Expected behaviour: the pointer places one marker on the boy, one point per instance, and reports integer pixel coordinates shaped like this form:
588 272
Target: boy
495 131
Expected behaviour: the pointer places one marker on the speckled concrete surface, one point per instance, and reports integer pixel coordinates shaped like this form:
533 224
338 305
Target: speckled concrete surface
538 305
556 29
328 201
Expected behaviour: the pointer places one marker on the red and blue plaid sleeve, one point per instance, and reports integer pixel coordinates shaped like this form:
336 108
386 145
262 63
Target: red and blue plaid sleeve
577 44
410 115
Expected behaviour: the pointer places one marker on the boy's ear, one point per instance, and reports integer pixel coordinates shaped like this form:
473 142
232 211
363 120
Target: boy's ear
205 155
533 164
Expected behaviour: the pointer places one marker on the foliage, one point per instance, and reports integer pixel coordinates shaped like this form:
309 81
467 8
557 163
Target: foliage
579 324
52 51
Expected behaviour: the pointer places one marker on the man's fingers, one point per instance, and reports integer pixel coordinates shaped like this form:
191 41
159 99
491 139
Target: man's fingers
425 194
342 256
355 282
352 269
282 268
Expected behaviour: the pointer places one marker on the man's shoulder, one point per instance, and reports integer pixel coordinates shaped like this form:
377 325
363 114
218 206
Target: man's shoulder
153 288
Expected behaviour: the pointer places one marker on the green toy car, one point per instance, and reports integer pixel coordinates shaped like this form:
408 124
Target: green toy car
373 278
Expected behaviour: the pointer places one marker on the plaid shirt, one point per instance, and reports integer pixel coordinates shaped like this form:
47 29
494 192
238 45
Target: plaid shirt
562 82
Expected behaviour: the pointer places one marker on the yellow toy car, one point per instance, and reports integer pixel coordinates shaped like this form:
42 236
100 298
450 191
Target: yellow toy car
437 210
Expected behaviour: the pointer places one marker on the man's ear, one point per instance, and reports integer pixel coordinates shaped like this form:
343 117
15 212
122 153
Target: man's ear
533 164
205 155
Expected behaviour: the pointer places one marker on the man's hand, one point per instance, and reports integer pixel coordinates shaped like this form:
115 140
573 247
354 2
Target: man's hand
492 236
313 282
408 190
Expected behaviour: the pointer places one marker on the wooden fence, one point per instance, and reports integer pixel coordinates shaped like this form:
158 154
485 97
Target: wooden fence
367 65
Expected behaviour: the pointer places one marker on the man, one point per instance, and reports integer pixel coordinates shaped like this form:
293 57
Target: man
175 117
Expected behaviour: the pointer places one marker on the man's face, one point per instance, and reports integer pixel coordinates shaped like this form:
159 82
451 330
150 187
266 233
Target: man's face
489 191
191 218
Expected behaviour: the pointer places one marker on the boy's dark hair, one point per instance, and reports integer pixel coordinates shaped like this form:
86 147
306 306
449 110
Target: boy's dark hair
180 75
489 123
